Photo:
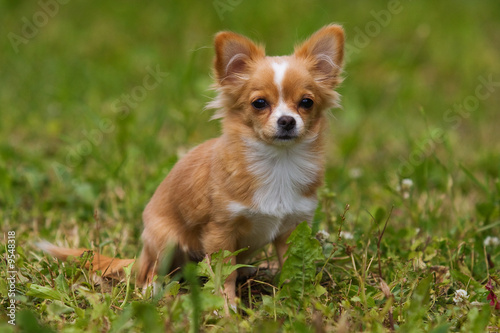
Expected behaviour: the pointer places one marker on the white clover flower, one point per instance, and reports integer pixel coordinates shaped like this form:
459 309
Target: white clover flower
355 173
322 235
460 296
405 187
346 235
491 241
406 184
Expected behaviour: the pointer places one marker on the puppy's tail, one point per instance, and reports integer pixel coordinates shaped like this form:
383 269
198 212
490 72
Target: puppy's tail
110 267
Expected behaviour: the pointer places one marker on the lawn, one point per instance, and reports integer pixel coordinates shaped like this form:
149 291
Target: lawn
99 100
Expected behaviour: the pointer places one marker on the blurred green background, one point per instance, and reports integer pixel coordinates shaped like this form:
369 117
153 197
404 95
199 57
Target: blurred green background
72 142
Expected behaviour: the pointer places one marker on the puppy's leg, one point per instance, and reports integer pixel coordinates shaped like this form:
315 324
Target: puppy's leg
148 265
281 246
157 239
216 239
230 286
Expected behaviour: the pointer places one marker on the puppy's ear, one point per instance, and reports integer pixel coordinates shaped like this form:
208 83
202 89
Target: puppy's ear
233 54
325 50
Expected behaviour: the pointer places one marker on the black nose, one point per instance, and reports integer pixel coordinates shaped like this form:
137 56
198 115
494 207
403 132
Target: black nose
286 122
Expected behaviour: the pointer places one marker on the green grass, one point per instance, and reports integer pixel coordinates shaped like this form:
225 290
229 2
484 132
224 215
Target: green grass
78 165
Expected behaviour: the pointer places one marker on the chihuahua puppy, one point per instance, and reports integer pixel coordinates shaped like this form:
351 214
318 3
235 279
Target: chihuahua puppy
257 181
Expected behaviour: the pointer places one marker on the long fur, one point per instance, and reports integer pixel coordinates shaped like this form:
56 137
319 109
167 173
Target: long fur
110 267
258 180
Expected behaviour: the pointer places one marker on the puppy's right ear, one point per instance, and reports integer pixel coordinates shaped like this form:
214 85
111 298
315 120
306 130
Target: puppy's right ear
233 55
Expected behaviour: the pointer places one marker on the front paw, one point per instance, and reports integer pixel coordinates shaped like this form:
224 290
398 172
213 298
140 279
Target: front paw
244 273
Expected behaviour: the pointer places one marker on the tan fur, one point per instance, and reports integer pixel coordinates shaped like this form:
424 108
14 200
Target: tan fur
209 200
110 267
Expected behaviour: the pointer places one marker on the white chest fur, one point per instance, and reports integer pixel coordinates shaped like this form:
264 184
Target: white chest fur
284 173
278 204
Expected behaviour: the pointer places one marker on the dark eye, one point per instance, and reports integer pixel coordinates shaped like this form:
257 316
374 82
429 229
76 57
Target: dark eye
306 103
259 104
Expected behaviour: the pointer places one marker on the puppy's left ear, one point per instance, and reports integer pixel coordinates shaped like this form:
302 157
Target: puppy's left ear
325 50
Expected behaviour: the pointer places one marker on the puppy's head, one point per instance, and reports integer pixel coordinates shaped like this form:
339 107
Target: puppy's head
279 100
